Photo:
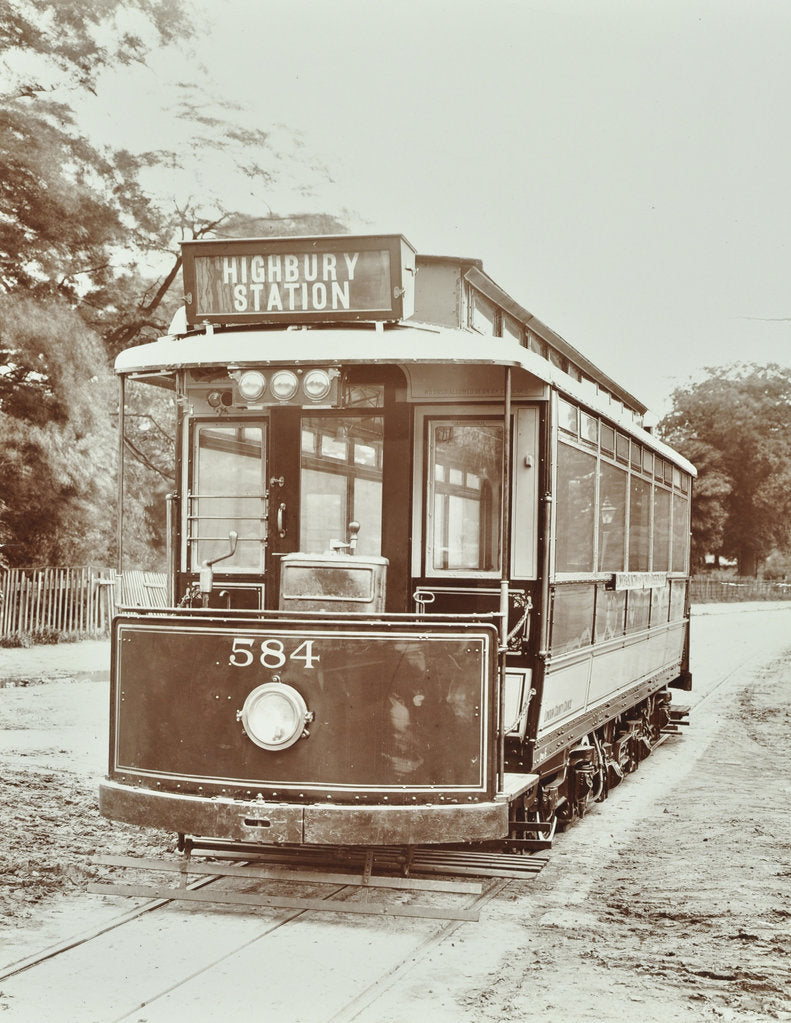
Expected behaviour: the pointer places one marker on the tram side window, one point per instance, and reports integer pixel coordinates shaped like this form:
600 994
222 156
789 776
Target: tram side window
576 500
463 499
661 530
572 617
341 481
228 493
680 532
618 499
639 525
612 518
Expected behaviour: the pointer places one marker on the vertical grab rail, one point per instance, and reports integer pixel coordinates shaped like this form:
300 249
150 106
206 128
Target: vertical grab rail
120 513
505 536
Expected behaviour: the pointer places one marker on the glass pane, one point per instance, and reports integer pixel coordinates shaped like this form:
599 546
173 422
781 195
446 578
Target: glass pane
678 593
341 482
589 428
512 329
612 518
363 396
575 505
638 608
572 617
610 609
567 417
228 492
661 530
558 360
680 532
639 525
465 466
660 600
484 314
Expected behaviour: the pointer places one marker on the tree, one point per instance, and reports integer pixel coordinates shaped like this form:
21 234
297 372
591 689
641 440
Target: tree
78 235
67 208
737 424
57 449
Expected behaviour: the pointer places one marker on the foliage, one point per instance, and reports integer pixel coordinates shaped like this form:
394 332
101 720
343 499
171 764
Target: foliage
736 424
777 566
73 41
89 251
149 441
73 214
78 220
57 450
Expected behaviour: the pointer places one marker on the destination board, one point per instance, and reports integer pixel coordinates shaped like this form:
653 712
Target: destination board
299 280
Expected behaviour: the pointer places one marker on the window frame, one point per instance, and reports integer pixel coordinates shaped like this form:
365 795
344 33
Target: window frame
191 540
422 547
638 461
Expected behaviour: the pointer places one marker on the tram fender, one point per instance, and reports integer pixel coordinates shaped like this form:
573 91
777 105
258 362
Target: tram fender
406 825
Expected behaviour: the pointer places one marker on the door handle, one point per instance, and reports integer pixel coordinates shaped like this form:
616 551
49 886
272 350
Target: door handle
281 519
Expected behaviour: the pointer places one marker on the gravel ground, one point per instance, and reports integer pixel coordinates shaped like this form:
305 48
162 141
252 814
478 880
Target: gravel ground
54 707
671 901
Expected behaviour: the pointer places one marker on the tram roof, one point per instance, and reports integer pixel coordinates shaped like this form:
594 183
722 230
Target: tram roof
405 343
400 344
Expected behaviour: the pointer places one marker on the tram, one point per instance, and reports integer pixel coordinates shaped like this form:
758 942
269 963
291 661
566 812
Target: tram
427 572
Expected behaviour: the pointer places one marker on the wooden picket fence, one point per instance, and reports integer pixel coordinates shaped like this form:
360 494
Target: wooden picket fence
717 590
47 604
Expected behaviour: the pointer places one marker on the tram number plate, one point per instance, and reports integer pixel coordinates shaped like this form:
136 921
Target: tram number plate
272 653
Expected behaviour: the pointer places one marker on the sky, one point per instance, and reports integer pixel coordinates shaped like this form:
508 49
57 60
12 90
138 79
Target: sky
622 168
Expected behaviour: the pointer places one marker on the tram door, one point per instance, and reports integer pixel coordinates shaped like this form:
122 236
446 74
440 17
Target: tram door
227 494
325 471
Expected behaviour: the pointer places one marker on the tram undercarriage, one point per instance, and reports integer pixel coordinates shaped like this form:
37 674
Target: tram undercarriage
586 772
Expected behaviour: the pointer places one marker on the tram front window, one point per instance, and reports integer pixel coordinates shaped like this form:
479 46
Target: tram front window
465 464
228 493
341 481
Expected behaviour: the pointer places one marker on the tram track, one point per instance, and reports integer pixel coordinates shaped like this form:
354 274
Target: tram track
380 984
424 937
362 1001
22 965
266 931
206 969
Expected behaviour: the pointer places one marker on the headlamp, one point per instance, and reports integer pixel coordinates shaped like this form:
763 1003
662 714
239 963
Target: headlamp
274 716
252 385
316 384
284 385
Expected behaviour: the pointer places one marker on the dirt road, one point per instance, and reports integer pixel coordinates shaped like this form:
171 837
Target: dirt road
671 901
